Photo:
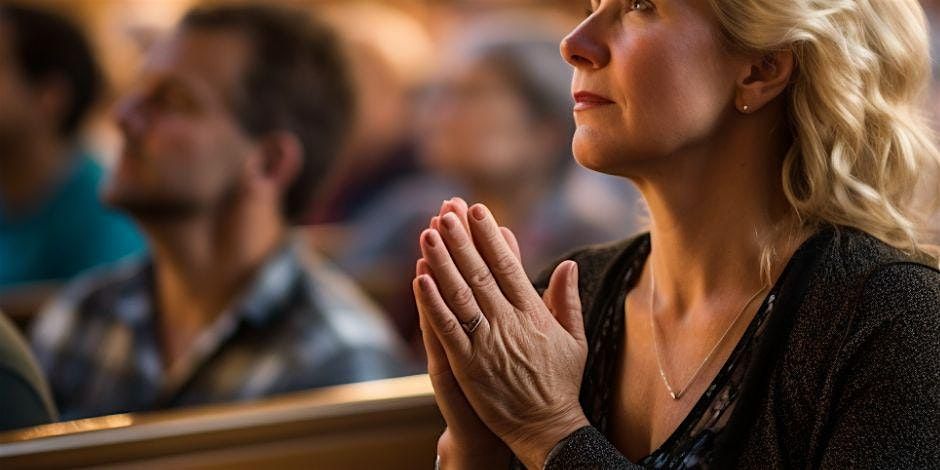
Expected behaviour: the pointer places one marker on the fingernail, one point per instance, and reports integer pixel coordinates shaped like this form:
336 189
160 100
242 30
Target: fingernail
424 281
478 212
450 221
429 238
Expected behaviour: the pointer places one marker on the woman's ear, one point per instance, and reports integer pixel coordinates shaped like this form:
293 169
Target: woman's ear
282 158
763 79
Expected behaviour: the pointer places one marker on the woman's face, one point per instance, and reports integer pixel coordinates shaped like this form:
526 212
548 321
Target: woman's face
651 79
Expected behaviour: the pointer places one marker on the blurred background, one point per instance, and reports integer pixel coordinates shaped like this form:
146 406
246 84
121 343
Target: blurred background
464 98
461 98
456 98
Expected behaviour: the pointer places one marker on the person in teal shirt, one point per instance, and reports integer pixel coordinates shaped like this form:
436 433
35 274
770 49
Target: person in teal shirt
67 233
52 222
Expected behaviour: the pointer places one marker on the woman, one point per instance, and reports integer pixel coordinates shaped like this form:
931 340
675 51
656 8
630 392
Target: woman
774 315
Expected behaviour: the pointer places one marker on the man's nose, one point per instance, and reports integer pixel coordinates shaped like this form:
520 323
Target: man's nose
130 114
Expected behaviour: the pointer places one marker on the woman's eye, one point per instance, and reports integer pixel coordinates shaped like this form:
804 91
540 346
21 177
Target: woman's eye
634 5
640 5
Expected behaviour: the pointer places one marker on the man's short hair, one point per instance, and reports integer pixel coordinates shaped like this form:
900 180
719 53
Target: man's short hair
296 80
48 46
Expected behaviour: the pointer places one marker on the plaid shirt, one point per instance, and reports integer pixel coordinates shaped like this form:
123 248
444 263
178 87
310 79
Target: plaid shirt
300 324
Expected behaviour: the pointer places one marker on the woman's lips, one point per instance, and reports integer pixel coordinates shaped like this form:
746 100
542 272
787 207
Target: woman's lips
584 100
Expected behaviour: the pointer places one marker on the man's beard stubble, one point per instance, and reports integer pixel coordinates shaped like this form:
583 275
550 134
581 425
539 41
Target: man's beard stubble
167 208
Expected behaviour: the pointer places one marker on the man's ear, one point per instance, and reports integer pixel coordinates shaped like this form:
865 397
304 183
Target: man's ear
282 158
53 97
762 79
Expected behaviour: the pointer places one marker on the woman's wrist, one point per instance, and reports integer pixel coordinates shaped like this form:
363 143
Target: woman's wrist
532 446
481 451
499 458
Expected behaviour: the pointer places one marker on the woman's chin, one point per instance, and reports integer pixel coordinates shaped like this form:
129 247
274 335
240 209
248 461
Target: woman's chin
600 162
609 156
592 150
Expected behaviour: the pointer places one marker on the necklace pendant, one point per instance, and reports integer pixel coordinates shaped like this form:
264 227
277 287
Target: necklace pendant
673 395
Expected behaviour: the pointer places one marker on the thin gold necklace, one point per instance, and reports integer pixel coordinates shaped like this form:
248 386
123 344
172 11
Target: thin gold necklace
678 394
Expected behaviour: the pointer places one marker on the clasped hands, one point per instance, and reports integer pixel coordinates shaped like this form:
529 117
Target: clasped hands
512 383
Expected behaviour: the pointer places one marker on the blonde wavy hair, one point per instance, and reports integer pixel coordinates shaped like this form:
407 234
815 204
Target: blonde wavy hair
862 147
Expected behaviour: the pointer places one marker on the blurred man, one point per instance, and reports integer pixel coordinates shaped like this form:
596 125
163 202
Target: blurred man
229 131
52 224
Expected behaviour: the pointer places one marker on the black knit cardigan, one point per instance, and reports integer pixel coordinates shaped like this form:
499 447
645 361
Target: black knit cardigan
848 375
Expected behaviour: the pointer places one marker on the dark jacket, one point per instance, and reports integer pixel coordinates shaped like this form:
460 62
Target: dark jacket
848 375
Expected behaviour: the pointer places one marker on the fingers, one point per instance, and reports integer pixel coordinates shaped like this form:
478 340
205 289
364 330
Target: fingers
457 294
501 259
511 241
450 399
422 267
564 300
437 357
471 269
438 368
444 324
456 205
459 206
470 264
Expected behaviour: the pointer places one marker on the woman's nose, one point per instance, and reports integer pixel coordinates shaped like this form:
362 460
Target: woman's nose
583 47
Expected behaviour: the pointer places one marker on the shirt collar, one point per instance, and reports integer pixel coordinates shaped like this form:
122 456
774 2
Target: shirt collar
135 299
271 286
268 290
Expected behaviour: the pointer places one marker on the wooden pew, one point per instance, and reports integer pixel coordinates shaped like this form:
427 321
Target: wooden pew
386 424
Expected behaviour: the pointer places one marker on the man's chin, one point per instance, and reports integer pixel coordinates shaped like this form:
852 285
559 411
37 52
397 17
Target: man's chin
149 209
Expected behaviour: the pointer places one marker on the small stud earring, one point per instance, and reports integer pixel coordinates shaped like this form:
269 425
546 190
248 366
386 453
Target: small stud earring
745 108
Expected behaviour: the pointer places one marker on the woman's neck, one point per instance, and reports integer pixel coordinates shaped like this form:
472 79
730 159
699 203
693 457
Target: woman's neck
714 211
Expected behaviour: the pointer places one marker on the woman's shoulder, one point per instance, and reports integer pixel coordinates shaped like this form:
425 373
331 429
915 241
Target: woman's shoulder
903 288
885 337
869 268
864 289
852 363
